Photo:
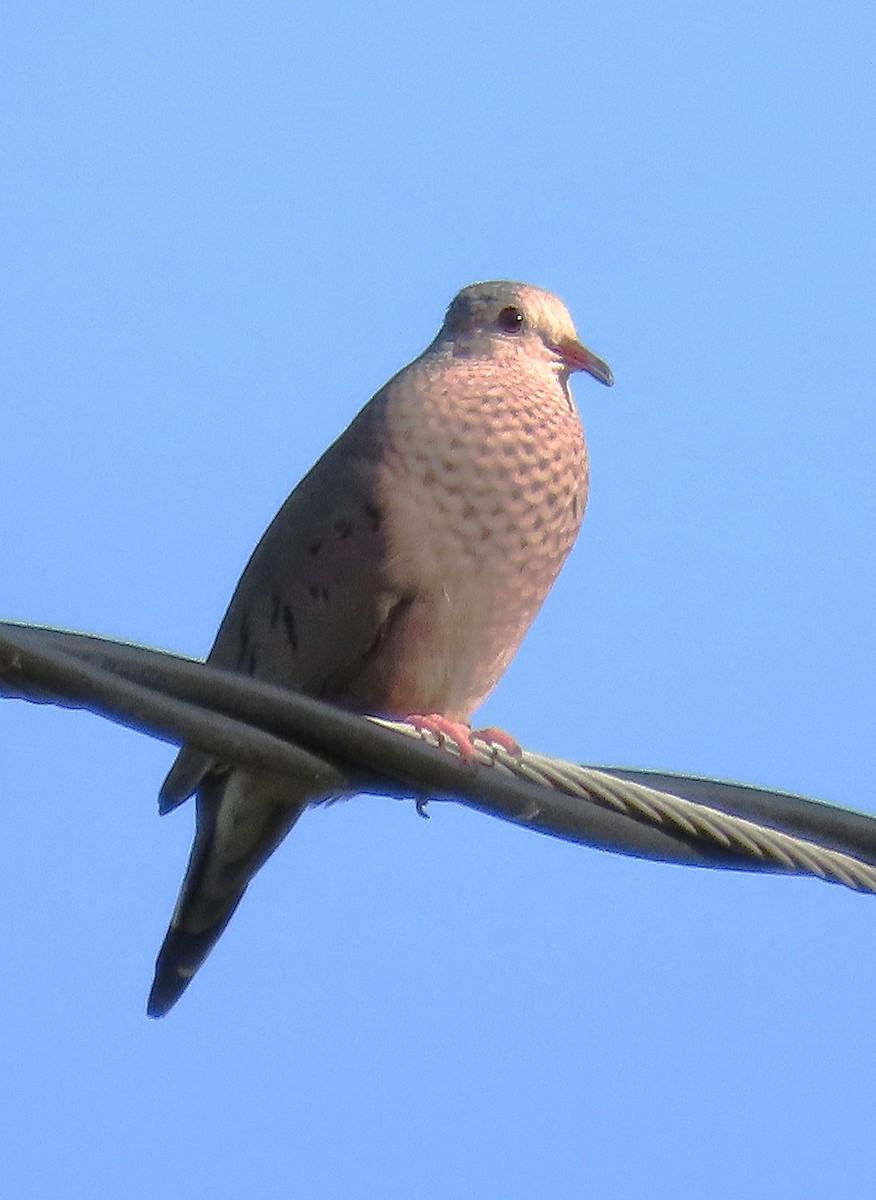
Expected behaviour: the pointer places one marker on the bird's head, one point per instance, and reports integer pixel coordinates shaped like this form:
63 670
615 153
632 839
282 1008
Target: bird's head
502 317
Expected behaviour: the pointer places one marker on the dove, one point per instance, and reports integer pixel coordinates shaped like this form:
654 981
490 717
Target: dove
399 577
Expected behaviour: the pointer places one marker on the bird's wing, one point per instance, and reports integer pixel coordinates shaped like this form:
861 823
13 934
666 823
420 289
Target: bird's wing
316 597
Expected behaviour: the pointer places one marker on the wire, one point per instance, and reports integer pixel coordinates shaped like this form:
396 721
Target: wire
671 818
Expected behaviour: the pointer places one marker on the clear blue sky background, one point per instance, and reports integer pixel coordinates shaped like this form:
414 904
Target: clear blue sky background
223 227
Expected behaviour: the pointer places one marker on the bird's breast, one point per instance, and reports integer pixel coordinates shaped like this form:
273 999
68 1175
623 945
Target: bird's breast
484 491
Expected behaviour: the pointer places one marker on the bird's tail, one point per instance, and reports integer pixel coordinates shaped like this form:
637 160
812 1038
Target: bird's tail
241 819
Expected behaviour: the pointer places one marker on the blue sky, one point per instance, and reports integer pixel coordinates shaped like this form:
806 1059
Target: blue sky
222 231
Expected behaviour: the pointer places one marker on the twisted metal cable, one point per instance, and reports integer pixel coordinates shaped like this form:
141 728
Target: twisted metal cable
757 841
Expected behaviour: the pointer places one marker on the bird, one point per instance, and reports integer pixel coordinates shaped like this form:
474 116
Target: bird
399 577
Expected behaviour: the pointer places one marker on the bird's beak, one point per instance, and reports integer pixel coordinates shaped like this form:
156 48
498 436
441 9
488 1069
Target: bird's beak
578 358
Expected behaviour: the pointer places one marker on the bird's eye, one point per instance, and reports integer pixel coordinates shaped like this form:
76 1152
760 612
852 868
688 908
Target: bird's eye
510 319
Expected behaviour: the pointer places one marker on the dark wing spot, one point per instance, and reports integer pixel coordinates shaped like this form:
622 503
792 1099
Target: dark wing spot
289 624
575 507
314 549
275 609
313 591
373 516
343 527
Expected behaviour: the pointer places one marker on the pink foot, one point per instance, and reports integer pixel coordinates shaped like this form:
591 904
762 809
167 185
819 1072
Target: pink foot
498 737
443 728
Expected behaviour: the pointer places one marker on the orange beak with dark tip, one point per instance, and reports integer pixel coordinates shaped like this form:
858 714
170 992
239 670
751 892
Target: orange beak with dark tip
578 358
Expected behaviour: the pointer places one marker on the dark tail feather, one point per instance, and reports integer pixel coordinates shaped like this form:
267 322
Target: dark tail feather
257 813
179 958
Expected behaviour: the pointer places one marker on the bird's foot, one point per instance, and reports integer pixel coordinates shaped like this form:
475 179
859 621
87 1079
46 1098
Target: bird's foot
446 730
464 737
499 739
